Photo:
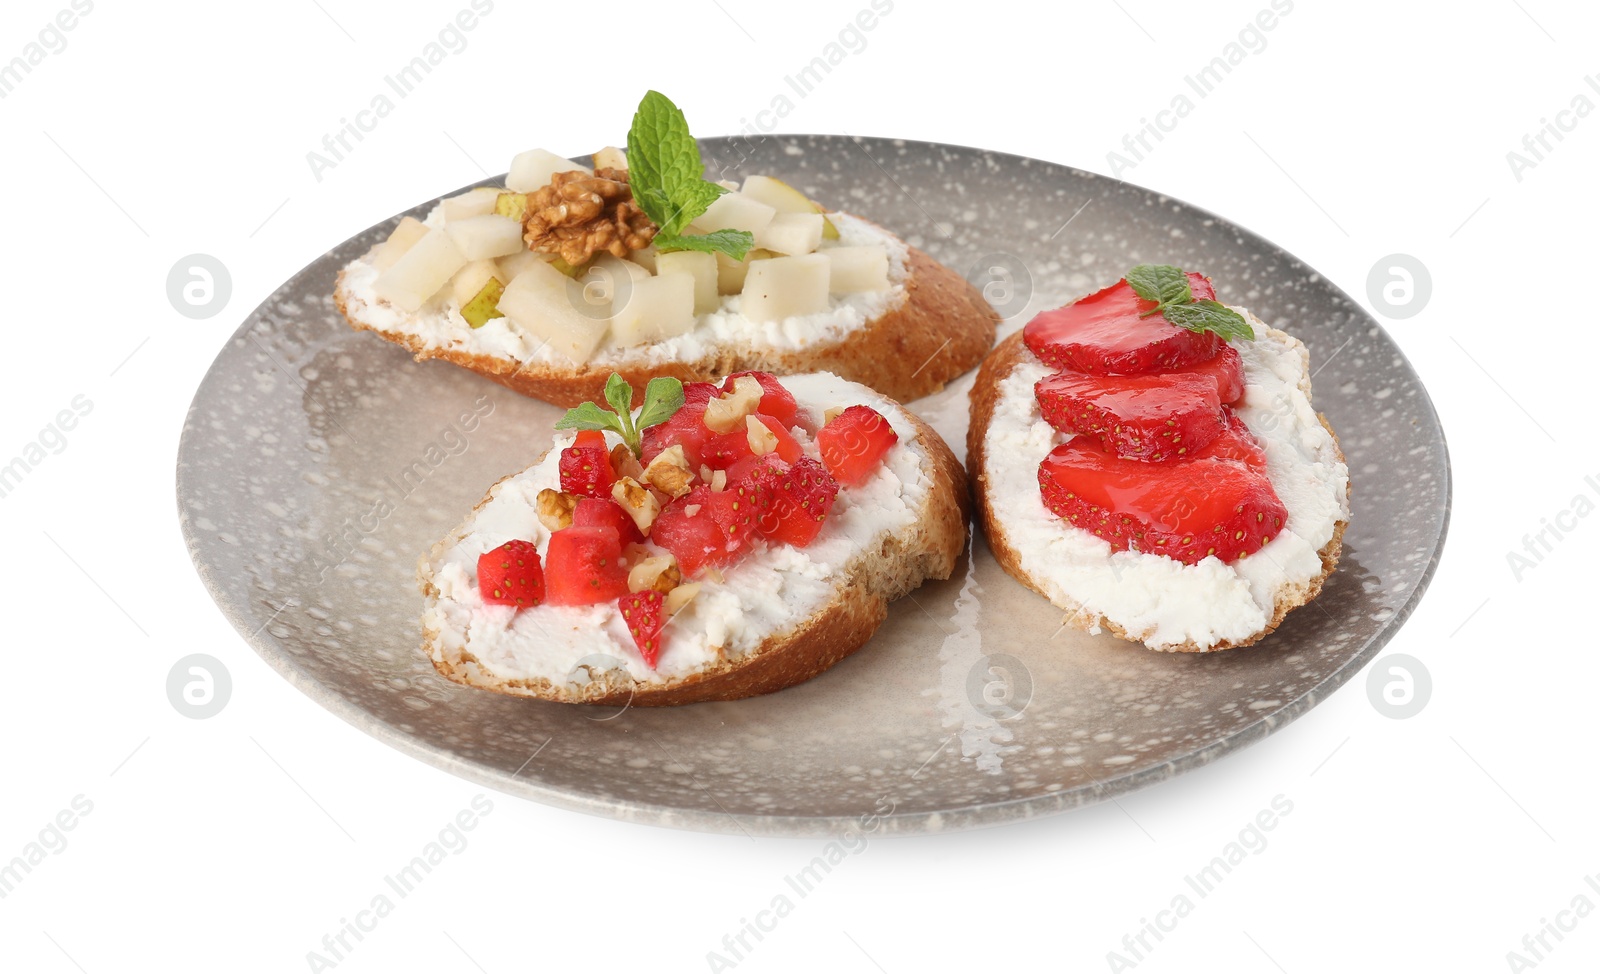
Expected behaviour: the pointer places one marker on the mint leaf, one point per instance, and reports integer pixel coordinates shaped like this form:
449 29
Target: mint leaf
620 395
1210 316
1161 283
662 398
664 166
734 243
588 416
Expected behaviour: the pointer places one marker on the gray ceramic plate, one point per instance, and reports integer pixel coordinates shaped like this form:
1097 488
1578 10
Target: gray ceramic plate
318 462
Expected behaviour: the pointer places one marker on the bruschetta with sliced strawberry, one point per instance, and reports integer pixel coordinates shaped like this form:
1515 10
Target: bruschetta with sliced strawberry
1149 460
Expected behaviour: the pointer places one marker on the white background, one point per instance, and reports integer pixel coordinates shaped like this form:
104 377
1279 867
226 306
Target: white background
235 843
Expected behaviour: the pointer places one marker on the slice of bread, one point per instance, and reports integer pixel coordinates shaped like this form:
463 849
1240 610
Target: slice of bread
928 328
1163 603
779 616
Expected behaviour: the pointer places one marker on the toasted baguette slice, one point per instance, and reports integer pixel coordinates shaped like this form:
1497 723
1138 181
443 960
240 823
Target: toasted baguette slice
1163 603
775 618
927 328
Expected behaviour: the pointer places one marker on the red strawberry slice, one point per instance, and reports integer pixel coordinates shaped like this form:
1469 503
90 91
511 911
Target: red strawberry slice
511 575
1104 334
723 450
1236 443
776 401
1227 370
854 444
1186 511
802 496
642 612
586 466
695 539
584 566
603 512
1153 417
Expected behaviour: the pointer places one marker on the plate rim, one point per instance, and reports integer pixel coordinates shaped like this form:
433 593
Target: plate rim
971 817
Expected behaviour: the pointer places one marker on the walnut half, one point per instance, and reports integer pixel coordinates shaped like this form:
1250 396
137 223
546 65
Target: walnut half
579 215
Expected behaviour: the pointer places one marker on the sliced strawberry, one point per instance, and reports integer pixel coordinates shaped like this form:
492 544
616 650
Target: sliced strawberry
776 401
1156 417
586 466
741 508
854 444
642 612
584 566
699 392
1104 334
686 528
603 512
802 496
511 575
1236 443
1186 511
723 450
1227 370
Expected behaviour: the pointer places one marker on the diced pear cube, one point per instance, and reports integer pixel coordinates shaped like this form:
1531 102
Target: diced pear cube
533 169
470 279
658 307
856 269
474 202
778 194
610 157
734 211
513 264
489 235
401 240
731 273
645 257
783 287
420 272
545 304
792 233
700 266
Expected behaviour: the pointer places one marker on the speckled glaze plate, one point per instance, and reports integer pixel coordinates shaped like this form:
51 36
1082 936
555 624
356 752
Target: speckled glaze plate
317 463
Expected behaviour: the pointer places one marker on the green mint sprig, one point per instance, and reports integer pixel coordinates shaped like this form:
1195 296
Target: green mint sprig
668 180
1168 287
662 397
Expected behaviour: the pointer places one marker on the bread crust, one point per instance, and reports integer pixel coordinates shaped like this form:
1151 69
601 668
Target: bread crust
943 328
872 579
985 395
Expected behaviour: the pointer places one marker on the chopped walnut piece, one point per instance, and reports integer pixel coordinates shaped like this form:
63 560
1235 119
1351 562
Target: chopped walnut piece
579 215
761 438
637 500
624 463
679 597
555 509
727 411
669 472
658 572
719 480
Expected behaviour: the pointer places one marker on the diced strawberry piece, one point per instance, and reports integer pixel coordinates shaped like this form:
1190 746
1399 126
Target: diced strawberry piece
788 449
603 512
511 575
1103 334
776 401
723 450
685 427
802 496
699 392
1227 370
642 612
586 466
741 508
1236 443
1186 511
584 566
1155 417
695 539
854 444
